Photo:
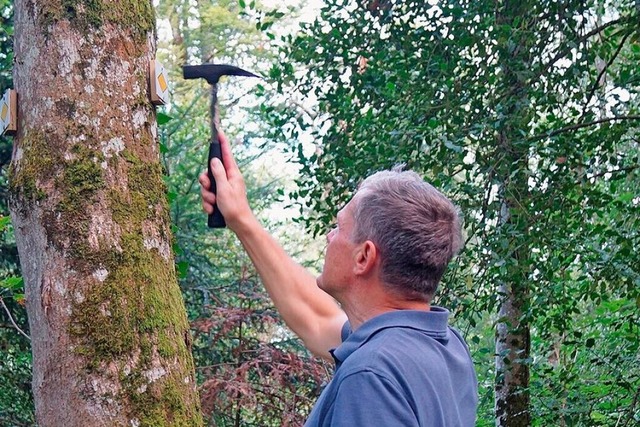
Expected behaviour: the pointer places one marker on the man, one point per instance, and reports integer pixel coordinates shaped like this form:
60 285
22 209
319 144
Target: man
398 363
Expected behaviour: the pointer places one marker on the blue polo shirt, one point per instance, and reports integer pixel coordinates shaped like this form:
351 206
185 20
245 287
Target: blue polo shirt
401 368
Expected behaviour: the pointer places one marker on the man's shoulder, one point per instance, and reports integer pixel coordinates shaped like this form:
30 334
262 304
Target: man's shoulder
403 343
393 347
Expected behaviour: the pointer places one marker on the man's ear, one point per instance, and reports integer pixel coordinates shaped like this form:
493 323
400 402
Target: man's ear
366 258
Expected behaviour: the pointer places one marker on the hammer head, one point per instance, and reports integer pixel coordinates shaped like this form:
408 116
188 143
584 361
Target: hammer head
212 72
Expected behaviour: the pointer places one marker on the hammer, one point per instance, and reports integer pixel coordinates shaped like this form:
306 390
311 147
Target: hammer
212 73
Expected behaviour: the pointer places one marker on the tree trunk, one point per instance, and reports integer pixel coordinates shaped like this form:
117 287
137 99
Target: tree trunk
512 396
109 332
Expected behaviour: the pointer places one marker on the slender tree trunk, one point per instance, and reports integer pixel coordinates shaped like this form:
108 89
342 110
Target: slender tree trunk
109 333
512 397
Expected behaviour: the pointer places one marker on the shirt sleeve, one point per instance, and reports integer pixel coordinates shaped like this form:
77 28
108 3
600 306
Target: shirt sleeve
367 399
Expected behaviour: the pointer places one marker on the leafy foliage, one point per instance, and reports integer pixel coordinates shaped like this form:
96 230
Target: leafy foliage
16 401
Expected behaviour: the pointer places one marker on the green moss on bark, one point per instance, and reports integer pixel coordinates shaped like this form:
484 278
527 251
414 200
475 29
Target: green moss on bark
135 313
37 160
77 184
81 179
145 179
132 315
137 16
134 299
161 406
136 292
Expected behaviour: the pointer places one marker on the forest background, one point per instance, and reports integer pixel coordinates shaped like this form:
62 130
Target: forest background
525 113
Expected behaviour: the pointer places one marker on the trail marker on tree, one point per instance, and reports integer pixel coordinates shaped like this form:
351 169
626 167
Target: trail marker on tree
159 83
9 113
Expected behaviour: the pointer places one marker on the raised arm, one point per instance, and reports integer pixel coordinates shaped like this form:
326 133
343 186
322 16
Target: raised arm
310 312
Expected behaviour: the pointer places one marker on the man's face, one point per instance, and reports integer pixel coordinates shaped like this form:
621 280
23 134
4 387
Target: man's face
339 258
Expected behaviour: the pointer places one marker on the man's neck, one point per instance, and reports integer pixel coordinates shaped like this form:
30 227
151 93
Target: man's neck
360 313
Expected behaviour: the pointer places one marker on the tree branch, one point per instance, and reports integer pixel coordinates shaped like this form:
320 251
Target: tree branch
600 74
565 52
619 170
581 125
15 325
633 406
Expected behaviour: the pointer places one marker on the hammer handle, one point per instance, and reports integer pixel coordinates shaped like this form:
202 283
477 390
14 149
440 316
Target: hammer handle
216 220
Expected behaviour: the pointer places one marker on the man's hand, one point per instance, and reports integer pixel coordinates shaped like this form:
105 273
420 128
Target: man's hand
231 197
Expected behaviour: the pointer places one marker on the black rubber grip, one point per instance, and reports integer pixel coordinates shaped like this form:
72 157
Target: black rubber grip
216 220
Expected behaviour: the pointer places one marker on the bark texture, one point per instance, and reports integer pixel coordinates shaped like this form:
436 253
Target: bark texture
109 332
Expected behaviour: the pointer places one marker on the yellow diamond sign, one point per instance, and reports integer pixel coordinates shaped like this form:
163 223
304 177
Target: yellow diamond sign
162 82
159 86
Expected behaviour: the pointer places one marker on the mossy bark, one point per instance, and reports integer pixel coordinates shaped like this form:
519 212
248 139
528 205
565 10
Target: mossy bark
109 331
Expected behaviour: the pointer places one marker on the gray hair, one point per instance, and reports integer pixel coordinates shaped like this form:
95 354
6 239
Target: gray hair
415 227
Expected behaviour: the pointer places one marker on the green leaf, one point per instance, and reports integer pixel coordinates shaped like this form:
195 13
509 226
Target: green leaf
163 118
4 222
242 4
626 197
12 283
183 268
450 145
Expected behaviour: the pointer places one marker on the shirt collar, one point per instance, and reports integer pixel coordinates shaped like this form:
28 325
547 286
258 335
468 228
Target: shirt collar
434 323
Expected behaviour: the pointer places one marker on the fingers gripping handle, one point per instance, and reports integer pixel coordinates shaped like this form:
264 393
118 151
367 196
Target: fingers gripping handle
216 220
